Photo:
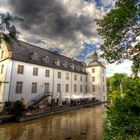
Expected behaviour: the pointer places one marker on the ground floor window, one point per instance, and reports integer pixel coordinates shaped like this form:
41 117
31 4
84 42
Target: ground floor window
58 88
93 88
75 88
19 87
81 88
67 88
34 87
46 87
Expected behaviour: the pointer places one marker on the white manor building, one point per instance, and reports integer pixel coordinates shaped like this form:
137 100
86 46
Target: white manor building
27 71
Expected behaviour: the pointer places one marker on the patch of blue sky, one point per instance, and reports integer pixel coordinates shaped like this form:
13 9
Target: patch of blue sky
88 48
109 72
99 3
56 50
90 1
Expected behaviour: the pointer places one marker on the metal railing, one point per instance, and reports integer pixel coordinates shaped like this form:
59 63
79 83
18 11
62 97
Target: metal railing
38 98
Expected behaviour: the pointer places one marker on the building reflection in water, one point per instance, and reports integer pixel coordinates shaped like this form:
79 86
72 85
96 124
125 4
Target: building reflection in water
82 124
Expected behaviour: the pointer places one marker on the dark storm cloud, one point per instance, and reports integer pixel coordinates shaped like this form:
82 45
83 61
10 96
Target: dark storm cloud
49 18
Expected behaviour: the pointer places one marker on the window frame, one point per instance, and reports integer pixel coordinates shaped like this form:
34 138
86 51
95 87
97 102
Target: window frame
20 69
19 88
2 68
75 88
34 88
35 71
2 54
67 76
93 88
47 73
67 88
93 70
58 75
93 78
58 88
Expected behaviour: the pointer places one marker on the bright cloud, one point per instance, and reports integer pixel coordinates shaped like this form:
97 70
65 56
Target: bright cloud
124 67
63 24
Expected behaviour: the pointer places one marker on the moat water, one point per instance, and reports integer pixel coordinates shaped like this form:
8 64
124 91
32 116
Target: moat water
82 124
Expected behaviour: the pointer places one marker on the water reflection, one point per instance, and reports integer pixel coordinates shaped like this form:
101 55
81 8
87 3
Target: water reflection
82 124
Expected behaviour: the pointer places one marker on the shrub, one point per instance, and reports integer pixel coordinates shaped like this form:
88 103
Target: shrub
18 108
123 114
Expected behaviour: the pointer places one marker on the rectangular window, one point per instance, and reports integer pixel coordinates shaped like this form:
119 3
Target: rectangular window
75 77
103 88
35 71
75 88
2 69
93 79
19 87
93 70
81 88
81 78
67 76
34 87
103 71
103 79
2 54
93 88
67 88
47 73
46 87
86 89
59 75
20 69
86 79
58 88
0 87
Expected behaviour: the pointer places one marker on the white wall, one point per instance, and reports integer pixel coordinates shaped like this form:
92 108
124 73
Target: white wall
27 78
5 79
99 94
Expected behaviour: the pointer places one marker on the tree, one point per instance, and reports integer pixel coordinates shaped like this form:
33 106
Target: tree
119 30
123 116
7 29
114 85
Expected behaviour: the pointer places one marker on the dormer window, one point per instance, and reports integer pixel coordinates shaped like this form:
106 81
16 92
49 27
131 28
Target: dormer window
35 56
65 64
46 59
77 68
57 62
83 69
72 66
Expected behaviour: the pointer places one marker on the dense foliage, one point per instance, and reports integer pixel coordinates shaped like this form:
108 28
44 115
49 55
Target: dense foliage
123 113
119 30
114 85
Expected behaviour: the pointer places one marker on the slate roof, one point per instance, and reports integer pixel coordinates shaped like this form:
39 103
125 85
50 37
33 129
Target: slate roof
22 51
95 63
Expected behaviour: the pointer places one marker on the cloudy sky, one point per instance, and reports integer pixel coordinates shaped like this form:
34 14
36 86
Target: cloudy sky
65 24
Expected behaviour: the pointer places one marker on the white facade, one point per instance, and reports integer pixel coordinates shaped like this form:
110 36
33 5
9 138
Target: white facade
97 78
70 84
